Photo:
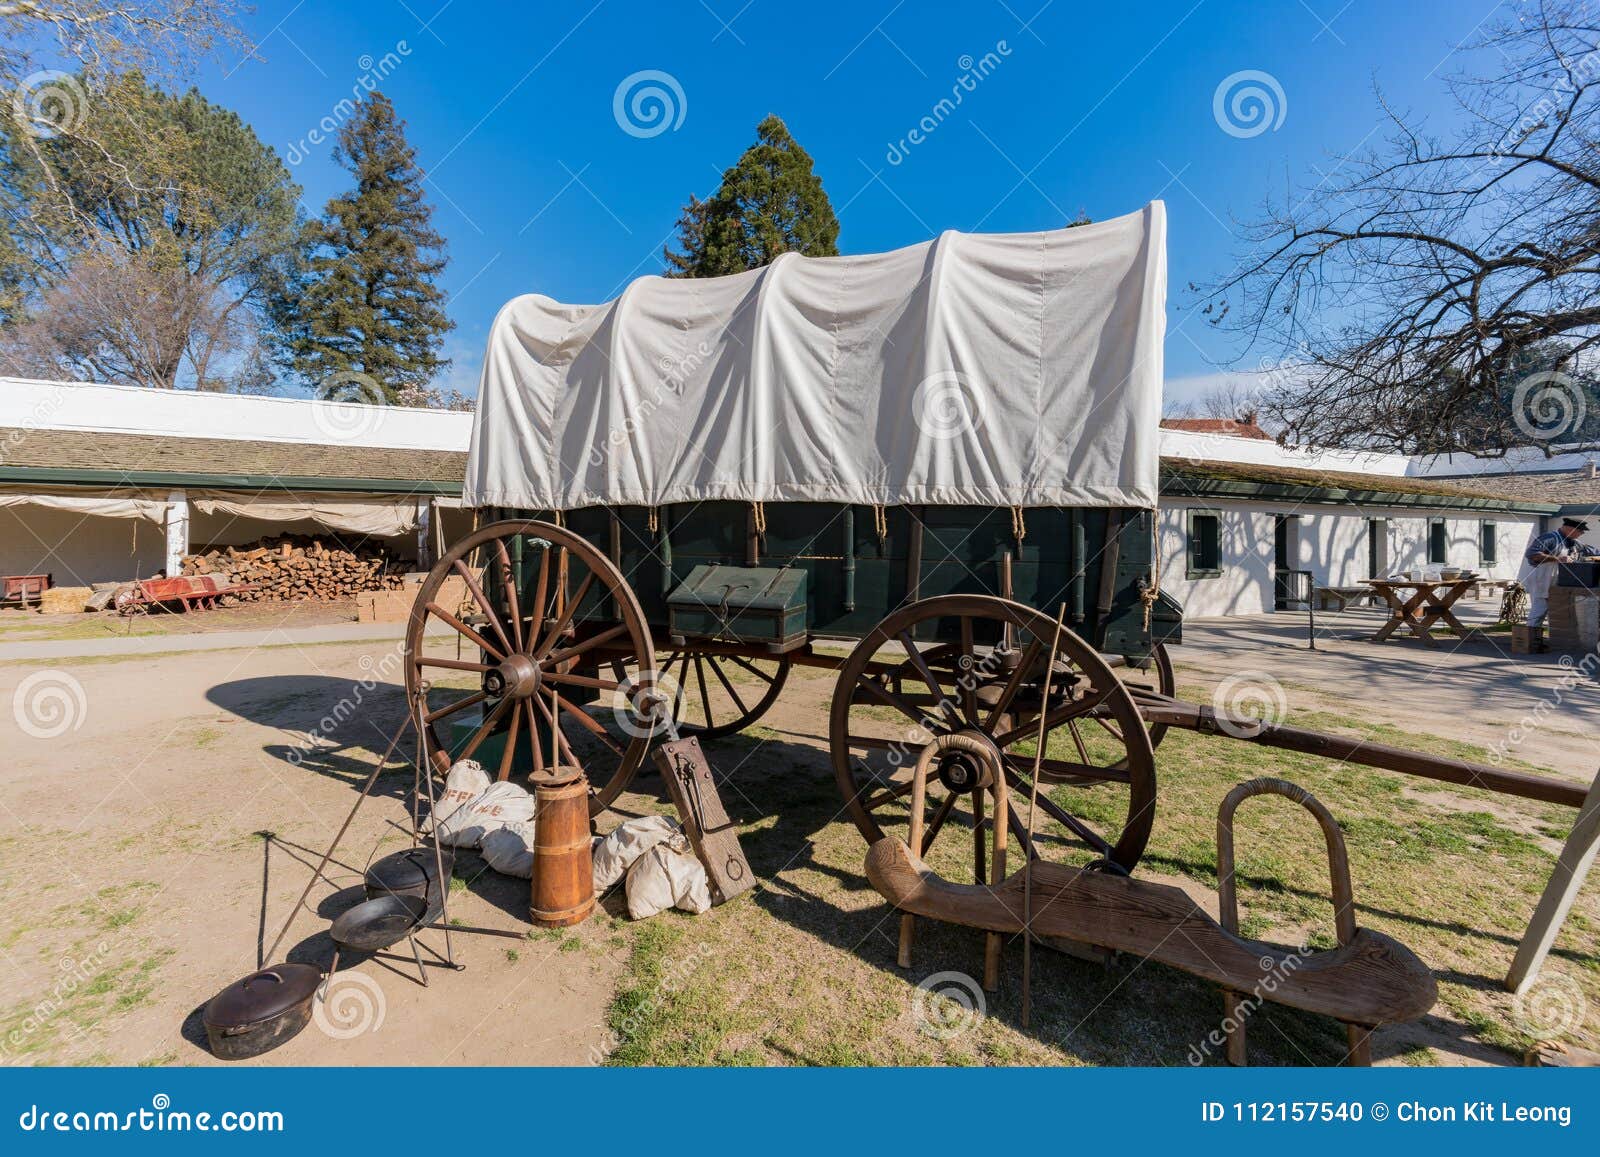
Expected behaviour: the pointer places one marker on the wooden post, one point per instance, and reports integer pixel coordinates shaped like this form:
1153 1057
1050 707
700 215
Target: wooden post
424 533
1577 856
175 527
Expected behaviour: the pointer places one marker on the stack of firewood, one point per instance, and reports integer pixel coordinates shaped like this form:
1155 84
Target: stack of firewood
290 567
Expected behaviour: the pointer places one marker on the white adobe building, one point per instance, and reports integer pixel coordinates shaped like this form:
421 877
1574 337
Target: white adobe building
1246 523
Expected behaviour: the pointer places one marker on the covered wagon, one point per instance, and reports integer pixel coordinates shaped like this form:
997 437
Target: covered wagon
923 454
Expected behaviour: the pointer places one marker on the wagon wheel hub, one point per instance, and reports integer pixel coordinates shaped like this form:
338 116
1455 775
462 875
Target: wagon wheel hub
549 608
517 676
964 772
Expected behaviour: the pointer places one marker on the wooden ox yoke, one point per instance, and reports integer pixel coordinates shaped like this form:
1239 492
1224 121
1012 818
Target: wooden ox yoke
1370 981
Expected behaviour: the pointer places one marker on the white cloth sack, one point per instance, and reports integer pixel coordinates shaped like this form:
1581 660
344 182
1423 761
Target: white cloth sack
503 803
465 782
509 849
1018 369
668 875
615 854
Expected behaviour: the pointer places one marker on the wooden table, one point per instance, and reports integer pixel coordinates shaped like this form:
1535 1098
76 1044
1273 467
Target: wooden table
1419 604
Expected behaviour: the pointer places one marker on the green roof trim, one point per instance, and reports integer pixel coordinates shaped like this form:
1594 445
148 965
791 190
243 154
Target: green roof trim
59 476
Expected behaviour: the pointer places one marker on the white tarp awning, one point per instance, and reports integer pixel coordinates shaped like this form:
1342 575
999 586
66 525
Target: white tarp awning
999 370
130 504
367 516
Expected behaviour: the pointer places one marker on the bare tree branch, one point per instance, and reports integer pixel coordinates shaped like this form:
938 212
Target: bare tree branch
1440 294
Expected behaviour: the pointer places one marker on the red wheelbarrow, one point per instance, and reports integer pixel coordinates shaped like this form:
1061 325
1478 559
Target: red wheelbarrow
201 591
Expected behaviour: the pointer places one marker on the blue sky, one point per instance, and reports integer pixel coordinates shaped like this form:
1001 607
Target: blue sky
539 187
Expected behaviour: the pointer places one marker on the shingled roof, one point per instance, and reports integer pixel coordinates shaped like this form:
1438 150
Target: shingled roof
84 455
1564 487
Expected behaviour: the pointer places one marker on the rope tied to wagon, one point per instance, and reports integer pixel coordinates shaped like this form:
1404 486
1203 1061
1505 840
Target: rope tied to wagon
1019 525
654 522
880 522
760 509
1150 593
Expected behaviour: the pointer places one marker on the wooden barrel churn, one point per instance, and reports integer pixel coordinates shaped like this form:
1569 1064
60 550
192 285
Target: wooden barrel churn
563 865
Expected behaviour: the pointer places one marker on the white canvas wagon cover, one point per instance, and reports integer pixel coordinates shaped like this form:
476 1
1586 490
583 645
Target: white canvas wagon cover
1018 369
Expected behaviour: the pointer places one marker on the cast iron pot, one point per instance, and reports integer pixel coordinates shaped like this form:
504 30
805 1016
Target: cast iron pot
412 872
261 1011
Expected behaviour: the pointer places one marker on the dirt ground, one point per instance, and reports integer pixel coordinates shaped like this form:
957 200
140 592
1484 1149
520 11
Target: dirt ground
134 865
138 876
19 626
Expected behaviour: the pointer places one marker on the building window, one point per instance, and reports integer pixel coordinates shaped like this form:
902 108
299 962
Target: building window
1438 542
1205 544
1488 550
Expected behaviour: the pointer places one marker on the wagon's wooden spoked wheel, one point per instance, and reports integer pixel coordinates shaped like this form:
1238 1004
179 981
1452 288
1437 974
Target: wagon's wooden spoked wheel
541 607
898 692
716 692
1157 678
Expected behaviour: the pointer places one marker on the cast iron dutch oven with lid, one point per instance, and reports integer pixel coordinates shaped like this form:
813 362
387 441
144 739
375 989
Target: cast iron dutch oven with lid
261 1011
412 872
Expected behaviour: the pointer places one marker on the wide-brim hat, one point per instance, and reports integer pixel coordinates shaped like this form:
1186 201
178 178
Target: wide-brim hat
1579 523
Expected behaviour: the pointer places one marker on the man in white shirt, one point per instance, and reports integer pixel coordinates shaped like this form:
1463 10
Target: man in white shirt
1543 558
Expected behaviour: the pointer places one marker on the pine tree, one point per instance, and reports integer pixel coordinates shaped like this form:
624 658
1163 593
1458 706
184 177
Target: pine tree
770 202
365 301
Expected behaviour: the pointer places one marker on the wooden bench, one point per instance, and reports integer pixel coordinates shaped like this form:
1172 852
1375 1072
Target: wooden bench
1344 596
